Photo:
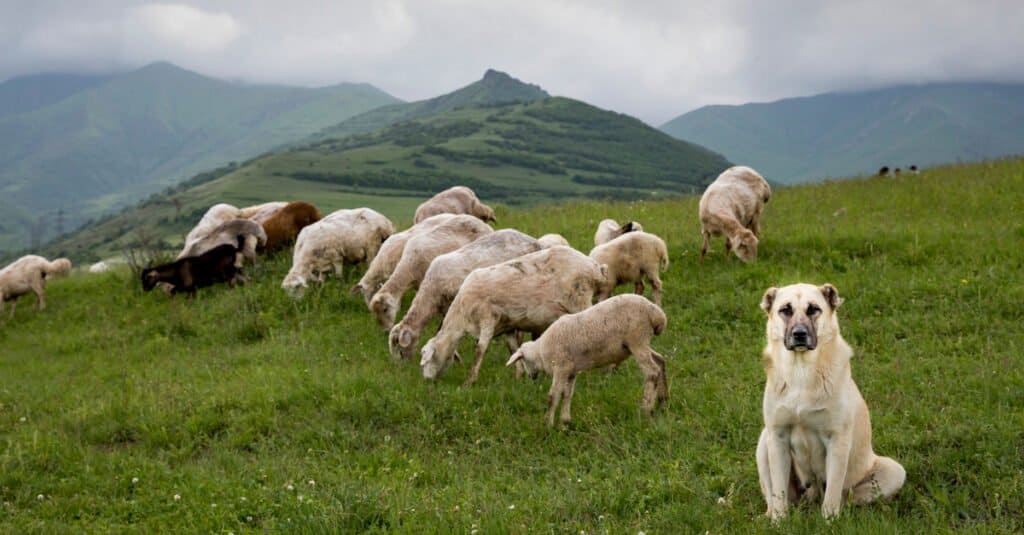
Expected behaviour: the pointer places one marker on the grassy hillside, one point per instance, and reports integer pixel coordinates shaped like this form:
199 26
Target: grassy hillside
244 411
511 154
100 144
842 134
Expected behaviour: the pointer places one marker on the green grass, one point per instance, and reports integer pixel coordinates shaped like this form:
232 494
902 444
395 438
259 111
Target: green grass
235 401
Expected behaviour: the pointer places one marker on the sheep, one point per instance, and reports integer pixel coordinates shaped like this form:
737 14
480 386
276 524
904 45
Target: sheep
244 234
914 170
388 255
419 251
604 334
527 293
630 258
28 274
215 215
443 278
342 237
455 200
261 211
99 267
732 206
883 171
608 230
551 240
283 226
193 272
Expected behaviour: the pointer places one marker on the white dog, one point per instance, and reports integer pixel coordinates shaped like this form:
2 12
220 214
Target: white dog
817 430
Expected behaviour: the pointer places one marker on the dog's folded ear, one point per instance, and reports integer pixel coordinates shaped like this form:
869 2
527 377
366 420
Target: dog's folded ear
831 295
768 299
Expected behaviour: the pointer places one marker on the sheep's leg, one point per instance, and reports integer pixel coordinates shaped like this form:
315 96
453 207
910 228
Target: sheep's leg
638 286
704 248
14 304
728 246
662 377
652 378
486 333
567 390
655 286
513 340
39 289
558 381
755 227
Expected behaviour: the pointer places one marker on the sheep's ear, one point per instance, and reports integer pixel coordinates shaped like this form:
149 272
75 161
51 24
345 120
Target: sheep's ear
831 295
517 356
768 299
358 288
458 357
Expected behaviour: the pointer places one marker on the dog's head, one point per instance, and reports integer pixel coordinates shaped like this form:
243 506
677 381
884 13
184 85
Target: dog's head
802 315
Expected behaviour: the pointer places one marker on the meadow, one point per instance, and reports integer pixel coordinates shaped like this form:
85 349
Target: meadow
245 411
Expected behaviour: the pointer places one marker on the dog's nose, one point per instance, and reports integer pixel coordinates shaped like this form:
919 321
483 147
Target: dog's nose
800 334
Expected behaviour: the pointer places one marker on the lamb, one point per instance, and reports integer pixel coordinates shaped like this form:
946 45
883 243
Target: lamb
551 240
342 237
608 230
28 274
443 278
419 252
283 226
732 206
388 256
527 293
244 234
604 334
455 200
261 211
99 267
215 215
193 272
630 258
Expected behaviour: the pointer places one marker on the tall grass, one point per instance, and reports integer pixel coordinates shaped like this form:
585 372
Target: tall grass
246 411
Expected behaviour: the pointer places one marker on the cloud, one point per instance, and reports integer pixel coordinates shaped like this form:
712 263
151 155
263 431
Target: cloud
178 26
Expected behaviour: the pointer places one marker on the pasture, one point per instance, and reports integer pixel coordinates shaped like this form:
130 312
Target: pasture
245 411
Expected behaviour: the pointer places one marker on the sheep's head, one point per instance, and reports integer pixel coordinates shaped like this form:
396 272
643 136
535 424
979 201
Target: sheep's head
295 285
487 214
150 277
401 342
384 307
529 356
434 361
744 244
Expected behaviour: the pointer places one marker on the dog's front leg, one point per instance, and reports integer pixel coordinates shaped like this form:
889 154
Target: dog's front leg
779 467
837 460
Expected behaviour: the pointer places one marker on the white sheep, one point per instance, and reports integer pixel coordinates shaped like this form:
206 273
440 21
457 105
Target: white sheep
445 276
731 206
419 252
215 215
455 200
608 230
29 274
259 212
527 294
551 240
342 237
244 234
388 256
630 258
99 267
602 335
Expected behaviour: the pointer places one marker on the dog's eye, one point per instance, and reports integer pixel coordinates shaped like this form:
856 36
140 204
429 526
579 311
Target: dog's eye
813 309
786 310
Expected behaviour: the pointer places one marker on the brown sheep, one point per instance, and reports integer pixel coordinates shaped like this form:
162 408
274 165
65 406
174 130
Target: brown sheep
283 226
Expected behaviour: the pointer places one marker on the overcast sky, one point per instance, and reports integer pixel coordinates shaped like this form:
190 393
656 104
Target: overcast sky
651 59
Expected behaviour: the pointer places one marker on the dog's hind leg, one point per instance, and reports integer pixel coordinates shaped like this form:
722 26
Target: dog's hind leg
884 480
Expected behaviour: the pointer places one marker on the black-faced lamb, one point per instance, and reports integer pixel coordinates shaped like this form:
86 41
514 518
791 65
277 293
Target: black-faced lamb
29 274
602 335
454 200
188 274
630 258
443 279
732 206
609 229
527 294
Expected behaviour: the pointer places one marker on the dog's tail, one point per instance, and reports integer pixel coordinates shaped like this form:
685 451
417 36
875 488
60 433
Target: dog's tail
60 266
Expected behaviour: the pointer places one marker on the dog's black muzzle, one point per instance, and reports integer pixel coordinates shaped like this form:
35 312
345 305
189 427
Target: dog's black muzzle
801 338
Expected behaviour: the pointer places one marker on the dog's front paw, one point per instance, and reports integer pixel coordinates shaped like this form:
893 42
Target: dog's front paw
829 511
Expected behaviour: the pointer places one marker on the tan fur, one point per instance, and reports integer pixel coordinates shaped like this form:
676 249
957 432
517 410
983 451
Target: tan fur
817 435
602 335
732 206
630 258
454 200
609 229
29 274
443 279
527 293
419 252
283 226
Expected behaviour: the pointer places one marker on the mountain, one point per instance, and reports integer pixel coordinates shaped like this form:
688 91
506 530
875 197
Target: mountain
494 88
81 146
843 134
512 154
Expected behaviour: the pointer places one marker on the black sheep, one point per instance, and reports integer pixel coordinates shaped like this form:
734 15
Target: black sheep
191 273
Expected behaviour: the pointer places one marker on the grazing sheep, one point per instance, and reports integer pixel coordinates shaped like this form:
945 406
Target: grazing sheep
608 230
732 206
443 278
884 171
244 234
419 252
551 240
28 274
342 237
215 215
388 256
193 272
99 267
913 169
527 293
260 212
630 258
604 334
455 200
283 226
896 171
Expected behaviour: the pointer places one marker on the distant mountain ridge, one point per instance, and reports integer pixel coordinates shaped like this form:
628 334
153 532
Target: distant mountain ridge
844 134
81 145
